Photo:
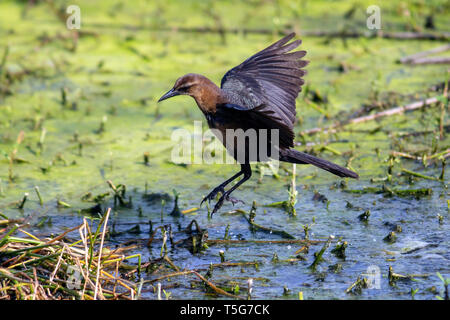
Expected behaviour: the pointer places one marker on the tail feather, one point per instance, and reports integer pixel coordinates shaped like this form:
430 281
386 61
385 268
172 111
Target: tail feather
294 156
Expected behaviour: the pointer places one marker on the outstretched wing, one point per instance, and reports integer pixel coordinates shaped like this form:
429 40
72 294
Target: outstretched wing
271 78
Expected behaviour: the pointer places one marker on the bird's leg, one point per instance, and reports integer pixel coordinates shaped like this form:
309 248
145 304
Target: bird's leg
247 171
220 188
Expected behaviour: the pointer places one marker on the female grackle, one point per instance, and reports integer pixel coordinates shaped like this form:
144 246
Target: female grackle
259 94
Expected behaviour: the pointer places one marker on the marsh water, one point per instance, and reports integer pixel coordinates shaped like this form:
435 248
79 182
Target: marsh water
90 115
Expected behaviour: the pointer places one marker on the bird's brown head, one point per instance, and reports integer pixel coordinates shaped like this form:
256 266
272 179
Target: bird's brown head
189 84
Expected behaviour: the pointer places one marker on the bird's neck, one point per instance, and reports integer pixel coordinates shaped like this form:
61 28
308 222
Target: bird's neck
207 96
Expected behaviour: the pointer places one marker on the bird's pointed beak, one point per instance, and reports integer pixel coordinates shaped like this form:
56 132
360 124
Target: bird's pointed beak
171 93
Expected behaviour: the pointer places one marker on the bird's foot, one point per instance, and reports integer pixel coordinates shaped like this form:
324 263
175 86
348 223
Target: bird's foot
220 202
218 205
233 200
213 194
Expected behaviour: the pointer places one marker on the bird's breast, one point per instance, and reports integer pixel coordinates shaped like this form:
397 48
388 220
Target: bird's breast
220 124
217 123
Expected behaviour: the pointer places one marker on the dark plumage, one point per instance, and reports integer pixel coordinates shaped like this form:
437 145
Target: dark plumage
259 93
272 78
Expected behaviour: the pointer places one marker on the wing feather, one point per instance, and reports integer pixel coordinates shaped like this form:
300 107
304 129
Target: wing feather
271 77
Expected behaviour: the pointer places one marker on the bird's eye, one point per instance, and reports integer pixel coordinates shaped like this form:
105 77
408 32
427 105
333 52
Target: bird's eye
184 88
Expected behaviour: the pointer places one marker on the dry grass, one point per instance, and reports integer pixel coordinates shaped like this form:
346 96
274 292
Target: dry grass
58 268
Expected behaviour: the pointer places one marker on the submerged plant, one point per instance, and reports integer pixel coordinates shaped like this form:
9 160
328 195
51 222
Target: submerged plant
445 283
290 206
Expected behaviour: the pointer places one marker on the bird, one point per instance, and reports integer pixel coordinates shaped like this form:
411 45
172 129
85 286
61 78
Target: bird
259 94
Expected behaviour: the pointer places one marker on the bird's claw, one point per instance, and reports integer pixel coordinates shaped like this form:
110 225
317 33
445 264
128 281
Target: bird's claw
213 194
222 199
218 205
233 200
